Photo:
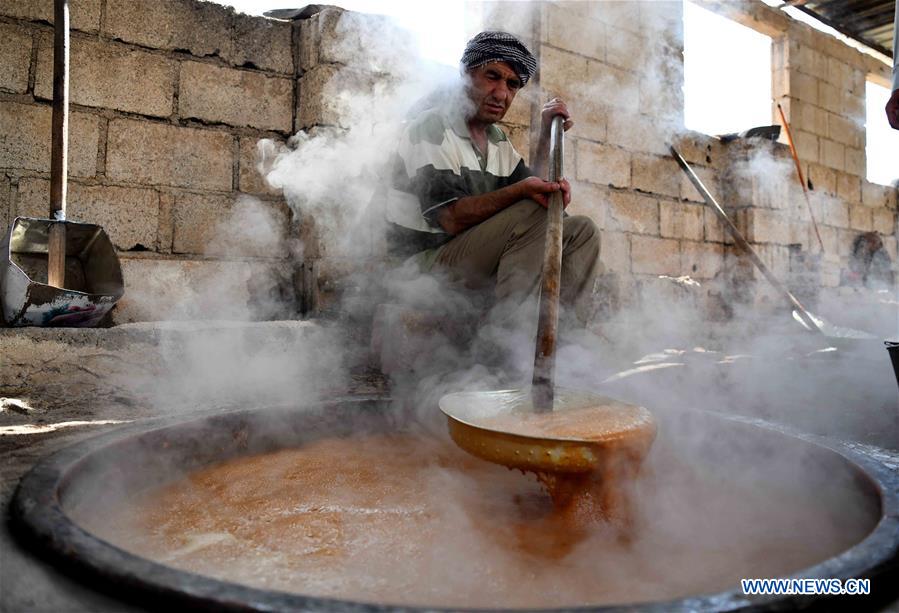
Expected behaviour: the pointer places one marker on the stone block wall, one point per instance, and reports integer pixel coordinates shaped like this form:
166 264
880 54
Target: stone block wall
167 101
169 98
820 83
620 67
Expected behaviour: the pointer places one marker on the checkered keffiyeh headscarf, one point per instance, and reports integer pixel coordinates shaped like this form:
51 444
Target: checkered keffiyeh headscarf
494 46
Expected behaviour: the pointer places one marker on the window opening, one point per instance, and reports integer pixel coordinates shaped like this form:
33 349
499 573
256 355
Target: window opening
727 73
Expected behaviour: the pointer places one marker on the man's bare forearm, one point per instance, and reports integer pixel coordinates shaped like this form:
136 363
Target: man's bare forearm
472 210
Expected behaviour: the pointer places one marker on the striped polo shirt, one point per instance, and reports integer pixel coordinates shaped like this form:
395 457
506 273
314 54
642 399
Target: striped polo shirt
436 163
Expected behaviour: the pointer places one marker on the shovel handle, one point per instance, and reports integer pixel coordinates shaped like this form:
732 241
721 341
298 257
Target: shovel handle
60 136
56 243
547 325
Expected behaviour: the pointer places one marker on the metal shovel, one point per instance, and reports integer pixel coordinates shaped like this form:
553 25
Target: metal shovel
83 276
810 322
545 429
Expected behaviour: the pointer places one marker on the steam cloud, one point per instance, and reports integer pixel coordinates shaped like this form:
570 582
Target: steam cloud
659 350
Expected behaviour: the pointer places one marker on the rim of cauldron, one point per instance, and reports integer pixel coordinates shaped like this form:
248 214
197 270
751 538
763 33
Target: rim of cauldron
36 508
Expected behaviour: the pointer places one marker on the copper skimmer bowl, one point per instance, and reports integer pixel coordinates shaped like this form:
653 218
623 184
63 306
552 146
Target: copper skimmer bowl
583 433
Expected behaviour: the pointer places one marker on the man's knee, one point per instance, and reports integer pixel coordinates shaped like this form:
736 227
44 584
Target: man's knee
524 211
583 230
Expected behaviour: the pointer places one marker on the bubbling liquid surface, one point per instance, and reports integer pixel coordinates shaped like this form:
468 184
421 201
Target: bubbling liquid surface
408 520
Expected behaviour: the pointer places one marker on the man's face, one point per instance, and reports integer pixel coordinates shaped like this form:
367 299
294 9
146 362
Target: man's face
492 88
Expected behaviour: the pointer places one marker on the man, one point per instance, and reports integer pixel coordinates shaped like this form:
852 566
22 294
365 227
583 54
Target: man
478 212
893 103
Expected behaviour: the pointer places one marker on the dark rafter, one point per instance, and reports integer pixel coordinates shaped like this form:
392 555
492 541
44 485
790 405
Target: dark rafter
870 22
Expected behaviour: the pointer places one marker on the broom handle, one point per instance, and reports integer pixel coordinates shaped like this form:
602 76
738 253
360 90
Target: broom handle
802 182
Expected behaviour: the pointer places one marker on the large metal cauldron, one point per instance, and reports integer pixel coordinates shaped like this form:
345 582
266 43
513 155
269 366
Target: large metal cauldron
119 464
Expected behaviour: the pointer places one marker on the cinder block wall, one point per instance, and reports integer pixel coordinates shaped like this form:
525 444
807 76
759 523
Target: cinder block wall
167 101
169 98
620 66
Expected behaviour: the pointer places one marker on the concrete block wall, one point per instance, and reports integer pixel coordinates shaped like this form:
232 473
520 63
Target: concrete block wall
167 101
620 67
156 163
820 83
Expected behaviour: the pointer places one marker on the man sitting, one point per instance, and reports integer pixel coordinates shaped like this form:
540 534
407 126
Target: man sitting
463 197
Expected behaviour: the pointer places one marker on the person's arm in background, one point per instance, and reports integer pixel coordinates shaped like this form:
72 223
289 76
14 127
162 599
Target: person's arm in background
893 103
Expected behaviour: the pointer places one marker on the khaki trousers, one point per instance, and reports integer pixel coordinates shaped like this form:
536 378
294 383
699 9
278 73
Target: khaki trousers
508 248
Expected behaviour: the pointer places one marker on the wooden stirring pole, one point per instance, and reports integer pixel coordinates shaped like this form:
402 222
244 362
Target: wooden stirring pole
802 182
543 383
56 246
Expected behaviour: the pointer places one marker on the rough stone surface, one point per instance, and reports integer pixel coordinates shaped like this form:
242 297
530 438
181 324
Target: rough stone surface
855 161
205 224
128 215
250 180
335 36
520 137
574 30
884 221
159 154
262 43
110 75
166 222
702 260
603 164
194 221
615 252
776 258
201 28
630 212
833 154
562 73
236 97
616 156
656 175
25 139
713 227
164 289
655 256
678 220
6 213
832 212
589 200
638 133
860 218
875 196
709 178
617 87
312 31
806 146
627 50
15 58
83 14
766 226
823 178
323 92
591 126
